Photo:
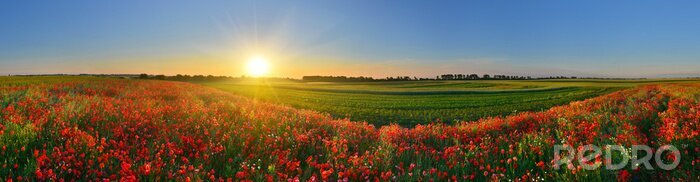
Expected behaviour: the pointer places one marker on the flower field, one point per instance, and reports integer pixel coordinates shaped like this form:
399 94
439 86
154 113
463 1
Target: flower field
110 129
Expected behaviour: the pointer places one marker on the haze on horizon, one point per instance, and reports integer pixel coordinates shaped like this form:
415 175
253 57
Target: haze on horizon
353 38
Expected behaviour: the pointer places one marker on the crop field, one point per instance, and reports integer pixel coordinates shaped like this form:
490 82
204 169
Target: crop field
75 128
420 102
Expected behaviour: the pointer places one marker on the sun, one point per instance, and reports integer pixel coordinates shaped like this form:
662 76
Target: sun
258 66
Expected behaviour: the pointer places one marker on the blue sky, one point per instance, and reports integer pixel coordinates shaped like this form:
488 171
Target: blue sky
370 38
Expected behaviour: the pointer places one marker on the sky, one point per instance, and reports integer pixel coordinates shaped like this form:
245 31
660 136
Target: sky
354 38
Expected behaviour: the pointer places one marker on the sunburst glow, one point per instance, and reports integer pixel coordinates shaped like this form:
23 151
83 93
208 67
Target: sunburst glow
258 66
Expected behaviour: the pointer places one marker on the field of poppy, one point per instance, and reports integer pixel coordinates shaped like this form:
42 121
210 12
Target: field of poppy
115 129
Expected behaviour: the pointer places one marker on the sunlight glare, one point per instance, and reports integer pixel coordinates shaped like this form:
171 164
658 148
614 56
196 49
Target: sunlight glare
258 66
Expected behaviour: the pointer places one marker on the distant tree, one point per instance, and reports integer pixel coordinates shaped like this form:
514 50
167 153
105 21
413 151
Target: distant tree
447 77
337 79
143 76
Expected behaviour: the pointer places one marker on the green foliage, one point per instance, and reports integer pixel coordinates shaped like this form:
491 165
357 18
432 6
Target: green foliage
17 139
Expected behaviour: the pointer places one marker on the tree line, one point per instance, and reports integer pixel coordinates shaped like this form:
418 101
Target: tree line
408 78
180 77
336 79
483 77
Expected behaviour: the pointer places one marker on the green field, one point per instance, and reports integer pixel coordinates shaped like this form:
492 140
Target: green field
412 102
418 102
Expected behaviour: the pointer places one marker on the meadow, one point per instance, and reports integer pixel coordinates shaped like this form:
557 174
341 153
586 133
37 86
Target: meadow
74 128
409 103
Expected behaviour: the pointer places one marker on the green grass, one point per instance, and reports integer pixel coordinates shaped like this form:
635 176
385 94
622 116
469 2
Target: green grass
418 102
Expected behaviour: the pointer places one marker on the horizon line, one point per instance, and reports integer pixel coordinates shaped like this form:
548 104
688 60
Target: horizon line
349 76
